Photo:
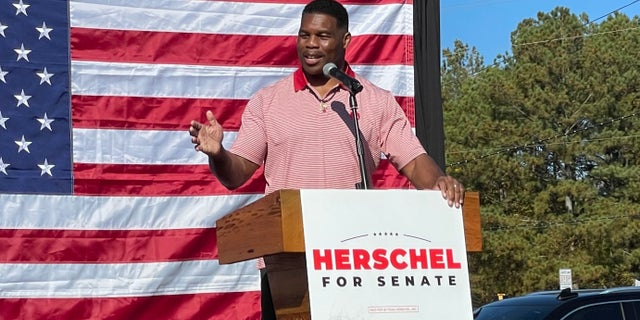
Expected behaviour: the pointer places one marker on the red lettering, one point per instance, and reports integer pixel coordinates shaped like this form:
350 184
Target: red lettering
418 257
361 259
396 259
320 259
450 263
342 259
437 258
380 259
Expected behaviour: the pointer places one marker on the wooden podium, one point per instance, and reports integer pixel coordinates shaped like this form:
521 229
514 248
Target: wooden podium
272 228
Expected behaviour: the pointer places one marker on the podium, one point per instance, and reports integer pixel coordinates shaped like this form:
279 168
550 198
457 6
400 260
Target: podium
272 227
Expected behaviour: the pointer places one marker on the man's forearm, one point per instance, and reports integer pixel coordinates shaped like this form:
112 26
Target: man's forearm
422 171
230 169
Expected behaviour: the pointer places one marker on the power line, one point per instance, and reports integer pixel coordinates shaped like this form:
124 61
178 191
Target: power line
541 142
616 10
576 37
539 225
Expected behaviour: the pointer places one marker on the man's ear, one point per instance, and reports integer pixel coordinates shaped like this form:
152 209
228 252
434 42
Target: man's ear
346 39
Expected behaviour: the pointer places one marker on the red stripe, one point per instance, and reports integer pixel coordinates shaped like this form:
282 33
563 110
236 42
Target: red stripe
106 246
160 180
154 180
213 49
146 113
233 305
152 113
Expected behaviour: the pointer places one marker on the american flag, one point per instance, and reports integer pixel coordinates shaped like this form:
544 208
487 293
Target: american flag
106 211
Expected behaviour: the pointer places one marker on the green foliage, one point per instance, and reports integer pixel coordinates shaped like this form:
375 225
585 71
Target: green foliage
549 136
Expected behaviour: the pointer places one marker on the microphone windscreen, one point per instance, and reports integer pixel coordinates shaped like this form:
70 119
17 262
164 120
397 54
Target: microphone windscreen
328 67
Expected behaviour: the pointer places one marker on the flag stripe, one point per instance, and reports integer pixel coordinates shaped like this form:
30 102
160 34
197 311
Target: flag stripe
148 113
136 239
154 180
130 212
74 280
222 17
213 49
106 246
229 305
189 81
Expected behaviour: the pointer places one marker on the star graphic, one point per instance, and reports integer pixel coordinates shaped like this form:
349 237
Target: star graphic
2 28
23 145
22 99
22 52
44 31
46 168
45 122
2 74
3 121
3 166
21 8
45 76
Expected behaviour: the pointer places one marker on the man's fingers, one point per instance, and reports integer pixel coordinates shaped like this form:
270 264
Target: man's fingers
211 118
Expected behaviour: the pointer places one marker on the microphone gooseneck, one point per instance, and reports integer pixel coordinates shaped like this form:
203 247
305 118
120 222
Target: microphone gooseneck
353 86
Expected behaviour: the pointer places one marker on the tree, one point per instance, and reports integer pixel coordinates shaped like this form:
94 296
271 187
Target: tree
549 137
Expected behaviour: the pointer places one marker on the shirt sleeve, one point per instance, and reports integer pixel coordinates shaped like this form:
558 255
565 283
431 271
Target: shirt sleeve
251 141
398 141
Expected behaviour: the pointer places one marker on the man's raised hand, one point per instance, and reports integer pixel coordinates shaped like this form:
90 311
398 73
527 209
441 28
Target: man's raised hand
207 137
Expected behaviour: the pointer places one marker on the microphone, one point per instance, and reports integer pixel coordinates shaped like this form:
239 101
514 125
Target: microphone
331 70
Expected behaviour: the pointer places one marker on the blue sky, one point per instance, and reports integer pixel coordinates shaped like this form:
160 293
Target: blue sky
487 24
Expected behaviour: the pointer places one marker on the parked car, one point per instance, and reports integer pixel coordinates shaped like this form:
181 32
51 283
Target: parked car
598 304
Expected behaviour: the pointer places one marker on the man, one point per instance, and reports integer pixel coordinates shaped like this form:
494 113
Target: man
300 128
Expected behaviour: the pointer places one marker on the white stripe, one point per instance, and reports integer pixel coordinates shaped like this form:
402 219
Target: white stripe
229 17
126 279
23 211
223 82
138 147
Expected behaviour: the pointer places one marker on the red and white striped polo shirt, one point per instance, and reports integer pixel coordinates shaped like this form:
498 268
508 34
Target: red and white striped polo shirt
304 145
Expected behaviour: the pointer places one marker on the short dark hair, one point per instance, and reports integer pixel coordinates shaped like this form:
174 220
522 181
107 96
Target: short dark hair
331 8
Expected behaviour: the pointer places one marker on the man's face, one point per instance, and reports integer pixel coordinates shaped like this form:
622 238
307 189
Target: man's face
320 41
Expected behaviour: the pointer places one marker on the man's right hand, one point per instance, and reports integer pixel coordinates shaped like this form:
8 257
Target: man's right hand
207 137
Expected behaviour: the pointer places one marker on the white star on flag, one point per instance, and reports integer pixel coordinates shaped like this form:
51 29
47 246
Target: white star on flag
22 99
3 121
45 76
45 122
46 168
22 53
2 28
23 145
21 8
44 31
3 166
2 74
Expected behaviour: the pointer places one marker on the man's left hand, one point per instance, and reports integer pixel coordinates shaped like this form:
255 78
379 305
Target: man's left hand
451 189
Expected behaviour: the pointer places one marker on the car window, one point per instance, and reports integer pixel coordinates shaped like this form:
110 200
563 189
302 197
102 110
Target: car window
517 312
606 311
633 310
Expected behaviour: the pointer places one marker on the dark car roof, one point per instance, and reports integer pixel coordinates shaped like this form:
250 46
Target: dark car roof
552 304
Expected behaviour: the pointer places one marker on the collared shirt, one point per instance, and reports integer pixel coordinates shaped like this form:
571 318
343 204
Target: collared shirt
306 141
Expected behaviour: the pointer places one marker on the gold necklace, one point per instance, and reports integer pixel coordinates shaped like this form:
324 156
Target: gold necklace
324 105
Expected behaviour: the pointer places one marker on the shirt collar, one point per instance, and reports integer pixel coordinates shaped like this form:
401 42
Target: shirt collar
300 79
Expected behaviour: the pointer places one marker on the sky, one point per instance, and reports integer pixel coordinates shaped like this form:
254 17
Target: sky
487 24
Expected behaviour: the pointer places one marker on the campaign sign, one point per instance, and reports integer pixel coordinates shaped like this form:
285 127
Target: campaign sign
385 254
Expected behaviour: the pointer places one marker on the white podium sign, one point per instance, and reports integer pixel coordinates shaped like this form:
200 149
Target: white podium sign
385 254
